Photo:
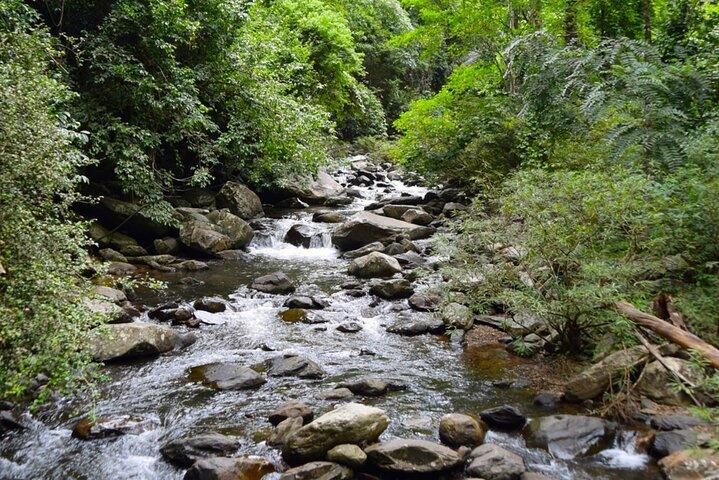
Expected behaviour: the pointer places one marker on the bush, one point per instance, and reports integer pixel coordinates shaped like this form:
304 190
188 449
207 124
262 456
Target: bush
42 247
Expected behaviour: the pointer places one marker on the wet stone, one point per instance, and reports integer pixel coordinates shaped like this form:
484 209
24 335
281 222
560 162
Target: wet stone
183 452
227 376
277 283
210 304
306 302
293 408
373 387
335 394
505 417
224 468
318 471
349 327
290 365
106 427
283 430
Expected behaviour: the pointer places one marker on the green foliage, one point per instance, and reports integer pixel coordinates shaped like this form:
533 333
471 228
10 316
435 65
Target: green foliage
42 246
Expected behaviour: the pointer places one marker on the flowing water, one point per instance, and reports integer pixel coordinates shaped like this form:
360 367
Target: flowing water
442 377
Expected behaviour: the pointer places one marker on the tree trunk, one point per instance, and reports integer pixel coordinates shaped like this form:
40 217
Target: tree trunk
669 331
647 18
570 21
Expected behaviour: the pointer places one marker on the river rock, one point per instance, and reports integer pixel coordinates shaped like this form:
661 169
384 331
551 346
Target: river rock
567 436
283 430
492 462
112 255
456 315
350 423
276 282
674 422
183 452
8 421
534 476
300 235
374 265
666 443
349 327
132 218
409 456
105 427
107 309
452 209
291 365
505 417
210 304
112 294
417 217
219 232
392 289
362 251
166 245
546 400
349 455
227 376
193 265
318 471
426 301
417 324
121 269
373 387
290 409
365 227
305 302
240 200
328 217
321 189
593 381
335 394
457 430
396 211
133 340
656 381
691 464
224 468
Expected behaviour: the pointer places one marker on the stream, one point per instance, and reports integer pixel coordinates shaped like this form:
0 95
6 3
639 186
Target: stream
442 376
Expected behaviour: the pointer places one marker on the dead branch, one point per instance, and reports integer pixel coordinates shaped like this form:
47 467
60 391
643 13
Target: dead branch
670 332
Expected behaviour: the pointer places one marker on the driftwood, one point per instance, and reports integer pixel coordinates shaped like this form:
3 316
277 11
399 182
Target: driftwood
670 332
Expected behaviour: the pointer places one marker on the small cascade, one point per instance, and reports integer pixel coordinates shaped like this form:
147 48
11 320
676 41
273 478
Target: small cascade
623 454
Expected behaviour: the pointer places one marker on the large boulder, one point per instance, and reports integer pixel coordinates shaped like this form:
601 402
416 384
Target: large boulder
656 381
567 436
131 218
132 340
227 376
457 430
240 200
318 471
593 381
409 456
224 468
690 464
220 231
301 235
492 462
350 423
666 443
183 452
365 227
374 265
107 309
276 282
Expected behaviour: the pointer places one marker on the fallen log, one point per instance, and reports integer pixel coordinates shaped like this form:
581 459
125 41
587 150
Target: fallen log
670 332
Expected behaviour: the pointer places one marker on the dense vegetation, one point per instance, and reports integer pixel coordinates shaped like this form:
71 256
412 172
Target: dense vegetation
588 133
